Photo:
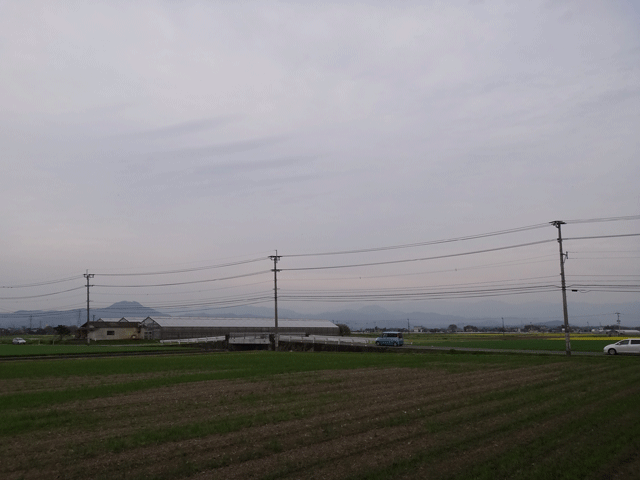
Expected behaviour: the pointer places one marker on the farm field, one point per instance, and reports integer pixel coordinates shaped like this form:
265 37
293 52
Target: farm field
538 342
511 341
75 349
273 415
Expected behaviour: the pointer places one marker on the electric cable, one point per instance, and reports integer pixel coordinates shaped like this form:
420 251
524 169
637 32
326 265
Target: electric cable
186 270
603 236
43 283
607 219
164 294
185 283
390 262
425 295
421 244
42 295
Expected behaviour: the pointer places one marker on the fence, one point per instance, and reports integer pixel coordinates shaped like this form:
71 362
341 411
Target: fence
264 339
180 341
326 340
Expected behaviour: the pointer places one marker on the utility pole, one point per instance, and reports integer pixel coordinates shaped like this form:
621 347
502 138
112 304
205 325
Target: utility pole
618 314
558 224
275 271
88 276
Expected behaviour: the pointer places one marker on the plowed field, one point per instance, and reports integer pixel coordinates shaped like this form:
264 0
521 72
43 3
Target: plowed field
575 418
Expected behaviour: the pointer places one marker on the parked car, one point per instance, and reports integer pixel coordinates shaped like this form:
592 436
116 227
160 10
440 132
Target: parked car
19 341
391 339
628 345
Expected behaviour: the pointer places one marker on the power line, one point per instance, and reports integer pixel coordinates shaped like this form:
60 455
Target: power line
608 251
580 257
419 295
201 301
226 302
186 270
186 283
604 236
422 244
164 294
445 287
42 295
598 275
616 283
430 272
40 284
47 314
620 288
436 293
421 259
505 282
606 219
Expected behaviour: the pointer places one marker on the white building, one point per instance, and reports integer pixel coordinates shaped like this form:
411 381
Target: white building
166 328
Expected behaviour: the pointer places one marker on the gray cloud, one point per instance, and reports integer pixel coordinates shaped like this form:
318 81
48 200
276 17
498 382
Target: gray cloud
187 153
131 131
180 129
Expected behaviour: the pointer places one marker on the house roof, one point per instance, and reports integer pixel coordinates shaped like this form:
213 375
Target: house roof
120 319
110 324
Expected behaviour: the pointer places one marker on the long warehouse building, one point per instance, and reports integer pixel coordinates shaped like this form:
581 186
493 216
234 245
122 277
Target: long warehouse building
166 328
170 328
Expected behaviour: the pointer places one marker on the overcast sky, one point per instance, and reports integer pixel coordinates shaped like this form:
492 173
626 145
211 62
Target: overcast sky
150 136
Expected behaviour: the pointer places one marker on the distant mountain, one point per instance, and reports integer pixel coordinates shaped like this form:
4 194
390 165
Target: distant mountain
373 316
238 312
488 313
534 312
126 309
431 315
42 318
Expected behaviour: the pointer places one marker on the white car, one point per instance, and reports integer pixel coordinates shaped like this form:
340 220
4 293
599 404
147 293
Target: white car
628 345
19 341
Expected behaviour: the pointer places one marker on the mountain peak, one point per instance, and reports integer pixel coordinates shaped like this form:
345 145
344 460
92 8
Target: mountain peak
125 305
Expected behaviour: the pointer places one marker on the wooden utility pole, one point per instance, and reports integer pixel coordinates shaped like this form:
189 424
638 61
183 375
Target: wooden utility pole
275 271
558 224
